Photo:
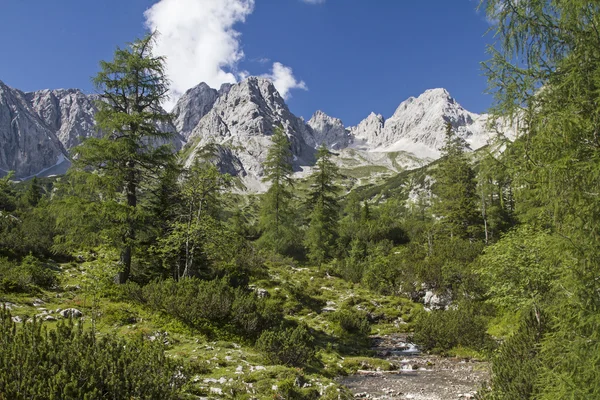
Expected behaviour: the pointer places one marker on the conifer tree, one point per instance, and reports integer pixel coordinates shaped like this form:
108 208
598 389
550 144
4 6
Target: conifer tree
323 203
132 150
455 189
545 71
34 192
276 219
196 227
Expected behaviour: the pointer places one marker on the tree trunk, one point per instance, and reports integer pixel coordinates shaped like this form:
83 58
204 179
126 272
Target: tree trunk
126 254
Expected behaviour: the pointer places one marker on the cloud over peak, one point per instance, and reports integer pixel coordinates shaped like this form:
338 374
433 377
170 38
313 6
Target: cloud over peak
283 79
199 41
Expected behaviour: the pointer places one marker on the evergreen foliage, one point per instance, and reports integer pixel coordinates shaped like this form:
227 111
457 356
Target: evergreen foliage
70 362
321 234
455 189
287 346
544 73
131 153
277 220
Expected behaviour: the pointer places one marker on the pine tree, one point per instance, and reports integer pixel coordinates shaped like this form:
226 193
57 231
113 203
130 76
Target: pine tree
34 192
545 71
276 219
455 189
324 209
131 152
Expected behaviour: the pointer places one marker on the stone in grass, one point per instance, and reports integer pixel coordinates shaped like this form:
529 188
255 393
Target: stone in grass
71 313
17 319
38 302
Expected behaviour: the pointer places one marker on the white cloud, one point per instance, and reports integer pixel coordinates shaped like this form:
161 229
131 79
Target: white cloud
199 41
284 80
313 1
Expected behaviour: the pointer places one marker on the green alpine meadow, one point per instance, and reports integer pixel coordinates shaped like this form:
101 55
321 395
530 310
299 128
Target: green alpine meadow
227 249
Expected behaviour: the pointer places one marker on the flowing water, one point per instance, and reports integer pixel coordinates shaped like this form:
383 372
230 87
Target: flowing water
418 376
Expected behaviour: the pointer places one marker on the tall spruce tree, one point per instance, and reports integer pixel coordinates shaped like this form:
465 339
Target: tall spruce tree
276 219
455 189
545 73
133 148
324 208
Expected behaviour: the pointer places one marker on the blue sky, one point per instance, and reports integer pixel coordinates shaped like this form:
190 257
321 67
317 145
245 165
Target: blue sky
345 57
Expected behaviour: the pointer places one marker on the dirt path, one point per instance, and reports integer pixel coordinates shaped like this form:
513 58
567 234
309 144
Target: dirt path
419 376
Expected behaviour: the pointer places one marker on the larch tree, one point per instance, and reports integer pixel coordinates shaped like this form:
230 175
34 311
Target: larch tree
455 199
324 208
276 219
545 73
133 149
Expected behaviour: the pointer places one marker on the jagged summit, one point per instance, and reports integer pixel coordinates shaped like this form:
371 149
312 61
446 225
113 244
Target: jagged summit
328 131
38 128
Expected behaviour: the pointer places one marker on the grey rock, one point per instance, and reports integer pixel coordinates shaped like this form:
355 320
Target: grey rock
328 131
71 313
27 145
437 301
192 106
68 113
240 125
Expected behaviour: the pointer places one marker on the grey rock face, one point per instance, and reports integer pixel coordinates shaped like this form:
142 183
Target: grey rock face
369 129
328 131
69 113
27 144
418 126
192 106
241 123
37 129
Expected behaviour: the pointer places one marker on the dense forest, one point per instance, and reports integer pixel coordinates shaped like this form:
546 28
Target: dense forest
492 254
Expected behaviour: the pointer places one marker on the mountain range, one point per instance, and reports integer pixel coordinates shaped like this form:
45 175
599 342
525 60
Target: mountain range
37 130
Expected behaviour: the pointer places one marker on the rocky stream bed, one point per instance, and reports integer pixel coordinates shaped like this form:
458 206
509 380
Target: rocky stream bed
418 376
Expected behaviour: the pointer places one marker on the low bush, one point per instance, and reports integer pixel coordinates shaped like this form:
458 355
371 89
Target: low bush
289 346
27 275
441 330
198 303
352 321
71 363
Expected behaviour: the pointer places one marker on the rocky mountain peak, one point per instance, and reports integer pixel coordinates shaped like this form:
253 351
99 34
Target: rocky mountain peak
27 144
327 130
67 112
192 106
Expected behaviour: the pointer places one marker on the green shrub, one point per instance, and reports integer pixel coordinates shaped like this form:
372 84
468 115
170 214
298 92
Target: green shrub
198 303
441 330
352 321
517 366
71 363
289 389
252 315
291 346
27 275
39 274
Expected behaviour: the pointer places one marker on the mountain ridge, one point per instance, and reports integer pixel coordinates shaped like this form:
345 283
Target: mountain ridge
239 119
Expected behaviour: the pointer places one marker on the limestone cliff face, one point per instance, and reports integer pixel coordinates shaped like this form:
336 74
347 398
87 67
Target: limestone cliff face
241 123
27 145
418 126
37 129
69 113
328 131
